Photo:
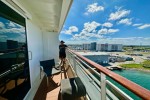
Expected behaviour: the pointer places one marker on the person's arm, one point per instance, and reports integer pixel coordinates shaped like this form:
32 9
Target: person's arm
66 46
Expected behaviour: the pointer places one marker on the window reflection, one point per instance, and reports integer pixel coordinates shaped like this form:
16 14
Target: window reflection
14 67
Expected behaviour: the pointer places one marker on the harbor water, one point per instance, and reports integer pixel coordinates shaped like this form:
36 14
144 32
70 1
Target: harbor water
139 77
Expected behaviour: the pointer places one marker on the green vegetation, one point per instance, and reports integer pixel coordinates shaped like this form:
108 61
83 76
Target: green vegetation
145 65
131 65
136 48
145 52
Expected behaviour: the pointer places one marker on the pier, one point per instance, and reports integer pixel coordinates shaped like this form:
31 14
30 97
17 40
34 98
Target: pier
114 68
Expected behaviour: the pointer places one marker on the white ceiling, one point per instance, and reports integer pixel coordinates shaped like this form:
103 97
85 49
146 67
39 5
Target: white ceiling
47 12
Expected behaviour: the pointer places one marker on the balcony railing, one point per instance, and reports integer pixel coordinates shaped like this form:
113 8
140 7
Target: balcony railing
101 82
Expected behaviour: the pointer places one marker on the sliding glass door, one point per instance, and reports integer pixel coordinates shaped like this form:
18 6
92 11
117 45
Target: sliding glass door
14 66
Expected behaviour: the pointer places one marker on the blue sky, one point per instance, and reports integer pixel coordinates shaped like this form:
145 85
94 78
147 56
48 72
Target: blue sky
108 21
11 31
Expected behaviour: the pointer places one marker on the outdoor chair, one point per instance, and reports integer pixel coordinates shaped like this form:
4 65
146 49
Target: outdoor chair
48 66
72 88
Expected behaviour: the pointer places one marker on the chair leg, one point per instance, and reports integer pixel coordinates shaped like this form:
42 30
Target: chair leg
47 82
61 72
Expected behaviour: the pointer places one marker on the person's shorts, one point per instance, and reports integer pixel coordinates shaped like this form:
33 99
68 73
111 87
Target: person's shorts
62 55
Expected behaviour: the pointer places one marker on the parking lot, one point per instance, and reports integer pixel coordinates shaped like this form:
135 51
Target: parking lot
136 59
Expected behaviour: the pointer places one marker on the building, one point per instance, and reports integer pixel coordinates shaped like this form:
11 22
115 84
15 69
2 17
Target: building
12 44
98 57
3 46
86 46
43 20
93 46
75 46
109 47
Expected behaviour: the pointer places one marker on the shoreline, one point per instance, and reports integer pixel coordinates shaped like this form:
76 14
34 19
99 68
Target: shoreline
143 70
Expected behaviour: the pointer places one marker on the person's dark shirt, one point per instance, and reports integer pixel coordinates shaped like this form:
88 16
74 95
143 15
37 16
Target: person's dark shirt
62 48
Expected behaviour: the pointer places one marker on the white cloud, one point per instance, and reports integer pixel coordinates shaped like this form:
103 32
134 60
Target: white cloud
86 36
3 36
107 31
11 24
1 25
107 24
103 31
125 21
70 30
119 14
12 30
144 26
126 41
137 24
91 26
89 31
92 8
113 30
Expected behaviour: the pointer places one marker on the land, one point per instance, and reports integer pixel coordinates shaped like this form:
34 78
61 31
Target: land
142 66
140 55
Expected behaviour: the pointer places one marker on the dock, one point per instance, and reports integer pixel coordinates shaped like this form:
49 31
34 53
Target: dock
114 68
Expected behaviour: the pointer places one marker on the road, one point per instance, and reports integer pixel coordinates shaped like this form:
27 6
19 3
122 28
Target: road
136 59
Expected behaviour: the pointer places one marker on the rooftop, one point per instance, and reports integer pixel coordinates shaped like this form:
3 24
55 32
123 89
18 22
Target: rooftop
86 53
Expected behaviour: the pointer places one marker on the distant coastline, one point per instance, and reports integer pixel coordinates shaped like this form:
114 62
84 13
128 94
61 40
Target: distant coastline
138 69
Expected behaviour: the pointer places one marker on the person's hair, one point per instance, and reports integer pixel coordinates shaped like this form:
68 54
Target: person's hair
62 41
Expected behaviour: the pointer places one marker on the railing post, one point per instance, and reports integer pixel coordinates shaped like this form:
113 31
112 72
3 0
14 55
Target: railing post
74 63
68 56
103 86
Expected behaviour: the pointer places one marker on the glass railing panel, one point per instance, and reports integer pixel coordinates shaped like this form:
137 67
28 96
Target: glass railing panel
101 84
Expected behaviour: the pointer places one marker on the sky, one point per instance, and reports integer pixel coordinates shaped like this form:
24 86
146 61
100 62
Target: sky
11 31
108 21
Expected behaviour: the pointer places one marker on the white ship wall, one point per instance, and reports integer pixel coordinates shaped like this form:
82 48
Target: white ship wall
35 48
42 44
51 45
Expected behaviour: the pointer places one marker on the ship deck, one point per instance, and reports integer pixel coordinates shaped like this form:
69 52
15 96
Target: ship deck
52 92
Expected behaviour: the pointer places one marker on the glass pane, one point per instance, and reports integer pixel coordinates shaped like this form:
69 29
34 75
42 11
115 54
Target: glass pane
14 67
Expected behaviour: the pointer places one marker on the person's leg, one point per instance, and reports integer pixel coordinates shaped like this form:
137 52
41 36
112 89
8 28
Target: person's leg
61 61
64 58
64 61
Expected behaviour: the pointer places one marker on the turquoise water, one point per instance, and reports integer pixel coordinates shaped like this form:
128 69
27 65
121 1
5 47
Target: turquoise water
139 77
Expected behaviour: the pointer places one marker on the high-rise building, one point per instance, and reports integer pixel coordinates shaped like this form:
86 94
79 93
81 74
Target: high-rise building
12 44
3 46
86 46
109 47
93 46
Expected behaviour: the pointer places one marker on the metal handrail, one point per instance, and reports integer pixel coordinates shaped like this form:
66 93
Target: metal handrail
136 89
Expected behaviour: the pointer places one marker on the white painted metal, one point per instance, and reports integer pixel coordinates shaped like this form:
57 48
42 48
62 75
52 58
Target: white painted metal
13 4
74 63
49 14
105 93
122 94
91 77
103 86
113 97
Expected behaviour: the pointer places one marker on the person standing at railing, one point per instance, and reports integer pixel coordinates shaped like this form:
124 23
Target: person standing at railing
62 53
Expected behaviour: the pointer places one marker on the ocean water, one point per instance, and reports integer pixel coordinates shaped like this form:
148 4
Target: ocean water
139 77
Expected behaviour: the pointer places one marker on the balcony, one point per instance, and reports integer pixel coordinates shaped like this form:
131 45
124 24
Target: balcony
96 80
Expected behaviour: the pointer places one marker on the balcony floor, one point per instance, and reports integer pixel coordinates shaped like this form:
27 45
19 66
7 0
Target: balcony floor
50 92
